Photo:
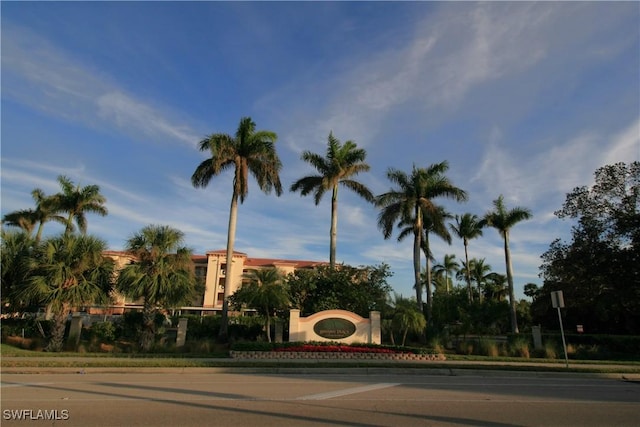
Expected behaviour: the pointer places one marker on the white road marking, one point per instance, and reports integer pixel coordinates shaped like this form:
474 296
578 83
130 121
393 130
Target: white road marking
347 391
9 385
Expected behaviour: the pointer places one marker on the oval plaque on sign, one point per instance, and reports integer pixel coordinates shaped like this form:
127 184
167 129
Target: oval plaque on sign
334 328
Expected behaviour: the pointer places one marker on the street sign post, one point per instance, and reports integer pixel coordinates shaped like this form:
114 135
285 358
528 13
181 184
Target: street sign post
557 301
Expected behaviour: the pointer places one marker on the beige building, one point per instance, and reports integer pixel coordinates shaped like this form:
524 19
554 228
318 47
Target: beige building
212 268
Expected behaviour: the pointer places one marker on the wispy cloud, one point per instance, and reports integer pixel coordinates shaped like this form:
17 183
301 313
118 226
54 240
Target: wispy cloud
556 170
450 51
45 77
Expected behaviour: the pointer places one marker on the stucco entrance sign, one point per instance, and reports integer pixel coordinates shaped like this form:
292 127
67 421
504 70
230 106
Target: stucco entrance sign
335 325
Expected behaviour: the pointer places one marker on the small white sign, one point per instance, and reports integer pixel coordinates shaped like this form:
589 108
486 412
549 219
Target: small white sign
557 300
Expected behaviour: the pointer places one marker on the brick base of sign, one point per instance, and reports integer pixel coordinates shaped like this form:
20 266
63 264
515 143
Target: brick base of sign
283 355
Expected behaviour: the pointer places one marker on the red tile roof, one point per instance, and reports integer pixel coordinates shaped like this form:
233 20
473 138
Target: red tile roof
249 262
270 262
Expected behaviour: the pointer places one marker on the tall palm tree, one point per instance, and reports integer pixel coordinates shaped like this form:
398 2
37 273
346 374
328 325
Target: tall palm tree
412 198
28 219
503 220
77 201
341 162
448 267
68 271
248 152
162 274
467 227
265 291
432 222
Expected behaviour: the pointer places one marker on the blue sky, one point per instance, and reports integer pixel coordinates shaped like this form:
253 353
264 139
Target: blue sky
523 99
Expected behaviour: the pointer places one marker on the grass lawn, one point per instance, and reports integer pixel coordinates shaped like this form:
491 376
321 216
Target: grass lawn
20 358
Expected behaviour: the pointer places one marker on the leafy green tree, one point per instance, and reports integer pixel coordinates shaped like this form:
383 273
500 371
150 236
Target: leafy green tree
248 152
68 271
340 164
162 274
77 201
357 289
266 291
467 227
598 270
503 219
448 308
531 290
407 318
413 197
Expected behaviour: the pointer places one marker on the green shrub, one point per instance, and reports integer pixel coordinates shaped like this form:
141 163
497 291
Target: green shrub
487 347
245 328
550 350
29 326
103 332
200 327
519 347
466 347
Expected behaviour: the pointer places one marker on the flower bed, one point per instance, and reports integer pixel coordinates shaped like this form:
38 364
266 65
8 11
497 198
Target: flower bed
330 350
335 355
336 348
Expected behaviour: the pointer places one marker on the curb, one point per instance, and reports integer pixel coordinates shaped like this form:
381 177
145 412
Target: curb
320 370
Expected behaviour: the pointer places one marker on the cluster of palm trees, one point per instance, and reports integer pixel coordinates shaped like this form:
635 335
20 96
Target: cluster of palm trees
71 204
70 270
160 274
64 271
409 206
488 283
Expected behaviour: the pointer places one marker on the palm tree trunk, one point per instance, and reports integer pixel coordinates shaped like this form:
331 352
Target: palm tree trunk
39 232
416 270
69 227
446 280
428 272
56 340
466 257
148 333
334 228
223 334
404 336
268 325
512 298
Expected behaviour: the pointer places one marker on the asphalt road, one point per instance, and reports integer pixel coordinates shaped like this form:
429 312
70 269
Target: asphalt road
199 398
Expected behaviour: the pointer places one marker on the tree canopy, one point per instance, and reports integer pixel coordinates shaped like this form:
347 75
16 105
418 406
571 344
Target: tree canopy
357 289
598 270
